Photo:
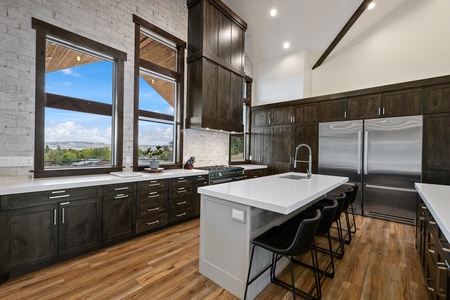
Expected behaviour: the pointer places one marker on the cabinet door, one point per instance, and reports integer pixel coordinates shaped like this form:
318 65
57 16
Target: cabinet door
306 134
305 113
282 148
335 110
80 226
261 145
33 236
365 107
437 99
282 116
436 149
118 216
402 103
261 118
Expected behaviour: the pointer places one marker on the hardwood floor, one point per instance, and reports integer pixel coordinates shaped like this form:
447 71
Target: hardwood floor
380 263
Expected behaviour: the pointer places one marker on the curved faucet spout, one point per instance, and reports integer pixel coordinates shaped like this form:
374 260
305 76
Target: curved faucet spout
309 160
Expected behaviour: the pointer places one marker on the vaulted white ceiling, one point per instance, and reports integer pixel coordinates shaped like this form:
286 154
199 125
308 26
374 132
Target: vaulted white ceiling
308 25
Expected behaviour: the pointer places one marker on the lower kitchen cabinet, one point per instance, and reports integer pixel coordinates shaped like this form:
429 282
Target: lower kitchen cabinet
198 181
152 209
255 173
80 227
119 213
434 250
180 199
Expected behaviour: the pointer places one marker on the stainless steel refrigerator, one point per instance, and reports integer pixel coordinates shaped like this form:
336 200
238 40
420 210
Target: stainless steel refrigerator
383 155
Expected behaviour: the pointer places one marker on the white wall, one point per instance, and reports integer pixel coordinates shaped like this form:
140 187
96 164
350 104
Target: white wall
280 79
107 21
411 43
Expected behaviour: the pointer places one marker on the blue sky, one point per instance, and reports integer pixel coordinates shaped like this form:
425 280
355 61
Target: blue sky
94 82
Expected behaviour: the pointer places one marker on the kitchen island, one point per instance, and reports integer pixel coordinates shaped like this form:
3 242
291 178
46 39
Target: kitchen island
234 213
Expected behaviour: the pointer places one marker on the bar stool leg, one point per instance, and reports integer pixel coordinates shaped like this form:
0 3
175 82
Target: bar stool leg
249 269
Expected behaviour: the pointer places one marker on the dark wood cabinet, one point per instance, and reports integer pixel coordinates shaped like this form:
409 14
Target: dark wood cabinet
261 118
215 81
435 254
282 116
402 103
365 107
436 149
119 213
306 113
32 237
282 148
307 134
261 150
437 99
152 207
335 110
180 199
255 173
198 181
80 227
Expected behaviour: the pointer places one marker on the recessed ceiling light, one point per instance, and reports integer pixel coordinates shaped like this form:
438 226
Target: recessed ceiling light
286 45
273 12
371 5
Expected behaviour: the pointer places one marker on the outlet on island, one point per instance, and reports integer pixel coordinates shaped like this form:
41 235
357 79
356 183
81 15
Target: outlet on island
238 215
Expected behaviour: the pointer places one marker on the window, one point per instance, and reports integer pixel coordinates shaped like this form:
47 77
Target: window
159 77
79 100
239 141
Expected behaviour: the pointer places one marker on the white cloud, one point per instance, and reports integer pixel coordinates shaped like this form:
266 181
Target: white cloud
70 72
71 131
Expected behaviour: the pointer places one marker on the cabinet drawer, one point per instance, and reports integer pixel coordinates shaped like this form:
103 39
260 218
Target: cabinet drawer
180 214
152 185
180 202
180 182
200 179
47 197
181 191
157 195
151 208
116 189
151 222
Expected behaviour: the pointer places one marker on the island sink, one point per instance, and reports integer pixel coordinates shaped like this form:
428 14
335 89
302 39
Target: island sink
294 177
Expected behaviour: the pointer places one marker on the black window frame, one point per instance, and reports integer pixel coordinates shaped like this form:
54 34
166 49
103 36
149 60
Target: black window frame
43 30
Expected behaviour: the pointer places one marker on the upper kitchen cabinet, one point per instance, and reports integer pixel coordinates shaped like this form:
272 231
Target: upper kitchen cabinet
297 114
402 103
437 99
215 66
365 107
331 111
261 118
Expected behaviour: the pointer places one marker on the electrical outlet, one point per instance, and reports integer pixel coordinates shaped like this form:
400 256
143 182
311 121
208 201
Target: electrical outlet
238 215
128 160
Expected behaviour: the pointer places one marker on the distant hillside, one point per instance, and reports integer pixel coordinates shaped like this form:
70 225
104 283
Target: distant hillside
76 145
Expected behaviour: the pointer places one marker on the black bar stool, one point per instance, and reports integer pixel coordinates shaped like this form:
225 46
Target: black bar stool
348 200
326 221
288 242
355 188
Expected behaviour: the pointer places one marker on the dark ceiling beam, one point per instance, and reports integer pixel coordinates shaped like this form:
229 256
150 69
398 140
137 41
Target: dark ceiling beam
343 31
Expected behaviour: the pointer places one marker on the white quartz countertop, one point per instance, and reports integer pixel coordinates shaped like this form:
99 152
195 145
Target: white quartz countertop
275 193
8 187
251 166
437 199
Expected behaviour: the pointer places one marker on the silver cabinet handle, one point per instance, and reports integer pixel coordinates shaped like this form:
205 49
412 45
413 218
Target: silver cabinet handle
59 196
432 222
384 111
181 181
366 146
180 215
156 184
379 111
54 217
120 189
58 192
154 196
152 209
358 163
181 203
63 215
183 191
120 196
345 114
154 222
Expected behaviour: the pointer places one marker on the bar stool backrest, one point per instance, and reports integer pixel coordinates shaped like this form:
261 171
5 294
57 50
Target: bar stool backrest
341 202
326 221
304 237
348 194
355 188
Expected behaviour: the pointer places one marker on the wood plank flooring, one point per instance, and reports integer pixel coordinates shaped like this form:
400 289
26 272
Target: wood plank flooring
380 263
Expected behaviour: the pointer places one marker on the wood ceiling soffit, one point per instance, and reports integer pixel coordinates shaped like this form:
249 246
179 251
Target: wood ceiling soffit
162 87
343 31
60 58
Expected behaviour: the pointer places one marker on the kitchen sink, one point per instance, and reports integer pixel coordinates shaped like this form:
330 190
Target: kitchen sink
294 177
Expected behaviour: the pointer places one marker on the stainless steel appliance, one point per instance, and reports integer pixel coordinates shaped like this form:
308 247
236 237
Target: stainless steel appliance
383 155
221 174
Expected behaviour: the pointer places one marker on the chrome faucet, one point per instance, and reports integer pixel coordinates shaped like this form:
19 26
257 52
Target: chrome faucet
304 161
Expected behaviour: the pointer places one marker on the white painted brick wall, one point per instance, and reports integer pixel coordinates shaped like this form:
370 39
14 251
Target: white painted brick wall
107 21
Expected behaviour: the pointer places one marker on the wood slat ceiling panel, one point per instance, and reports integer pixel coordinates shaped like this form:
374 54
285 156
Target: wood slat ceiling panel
60 58
162 87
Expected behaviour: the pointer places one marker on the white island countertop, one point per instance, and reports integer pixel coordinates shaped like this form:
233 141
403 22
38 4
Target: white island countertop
275 193
437 199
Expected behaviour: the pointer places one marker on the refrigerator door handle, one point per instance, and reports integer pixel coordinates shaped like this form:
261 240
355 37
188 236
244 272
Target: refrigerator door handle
358 165
391 188
366 150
